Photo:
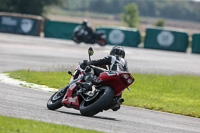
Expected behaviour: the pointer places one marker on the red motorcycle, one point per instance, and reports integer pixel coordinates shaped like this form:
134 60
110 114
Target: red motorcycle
104 95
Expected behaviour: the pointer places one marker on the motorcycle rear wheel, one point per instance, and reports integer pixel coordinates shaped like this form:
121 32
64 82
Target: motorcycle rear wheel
102 43
99 103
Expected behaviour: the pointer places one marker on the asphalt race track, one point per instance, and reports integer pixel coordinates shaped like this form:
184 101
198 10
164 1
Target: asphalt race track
22 52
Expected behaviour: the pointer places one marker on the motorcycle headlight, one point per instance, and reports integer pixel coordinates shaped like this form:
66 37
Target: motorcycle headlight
130 81
126 76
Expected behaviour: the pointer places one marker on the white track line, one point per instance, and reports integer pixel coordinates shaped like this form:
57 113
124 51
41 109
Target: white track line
4 77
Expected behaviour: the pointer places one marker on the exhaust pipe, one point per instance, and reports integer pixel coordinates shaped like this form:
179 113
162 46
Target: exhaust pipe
120 101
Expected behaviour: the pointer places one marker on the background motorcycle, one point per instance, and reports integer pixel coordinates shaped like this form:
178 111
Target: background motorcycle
81 35
104 95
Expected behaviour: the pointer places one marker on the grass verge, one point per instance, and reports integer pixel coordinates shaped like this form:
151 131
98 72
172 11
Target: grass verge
19 125
170 93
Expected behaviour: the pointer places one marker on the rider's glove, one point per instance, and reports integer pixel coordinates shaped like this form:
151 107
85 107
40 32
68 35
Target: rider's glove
84 64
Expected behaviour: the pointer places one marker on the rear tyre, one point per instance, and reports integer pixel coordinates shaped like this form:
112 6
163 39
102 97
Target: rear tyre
99 103
55 101
102 42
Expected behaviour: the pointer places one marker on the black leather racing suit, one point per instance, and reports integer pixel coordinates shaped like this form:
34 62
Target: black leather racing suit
113 63
90 33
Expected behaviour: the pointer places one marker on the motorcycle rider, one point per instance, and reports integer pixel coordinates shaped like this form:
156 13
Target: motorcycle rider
88 29
114 62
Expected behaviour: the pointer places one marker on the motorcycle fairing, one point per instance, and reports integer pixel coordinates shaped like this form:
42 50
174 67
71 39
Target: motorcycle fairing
111 79
69 100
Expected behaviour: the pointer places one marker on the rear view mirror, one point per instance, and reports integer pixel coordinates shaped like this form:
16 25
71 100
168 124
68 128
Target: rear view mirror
90 51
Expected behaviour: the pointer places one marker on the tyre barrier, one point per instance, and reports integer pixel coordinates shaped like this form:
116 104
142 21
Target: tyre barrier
58 29
196 43
165 39
122 36
21 24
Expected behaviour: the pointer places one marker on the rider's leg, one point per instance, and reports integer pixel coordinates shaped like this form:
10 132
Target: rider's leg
90 77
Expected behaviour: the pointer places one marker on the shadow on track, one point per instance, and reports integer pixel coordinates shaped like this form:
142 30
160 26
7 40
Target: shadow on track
98 117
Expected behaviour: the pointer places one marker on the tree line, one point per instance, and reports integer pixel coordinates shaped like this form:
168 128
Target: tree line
174 9
34 7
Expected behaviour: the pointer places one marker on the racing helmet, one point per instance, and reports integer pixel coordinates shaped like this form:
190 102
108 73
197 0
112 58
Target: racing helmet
118 50
85 22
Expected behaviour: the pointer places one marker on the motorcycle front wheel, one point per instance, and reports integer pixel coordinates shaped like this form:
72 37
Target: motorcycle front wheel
55 101
99 103
76 40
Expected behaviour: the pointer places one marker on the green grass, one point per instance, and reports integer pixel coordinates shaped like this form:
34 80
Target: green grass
170 93
19 125
50 78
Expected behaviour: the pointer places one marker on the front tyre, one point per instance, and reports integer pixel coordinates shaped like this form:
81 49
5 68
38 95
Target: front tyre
55 101
76 40
100 102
